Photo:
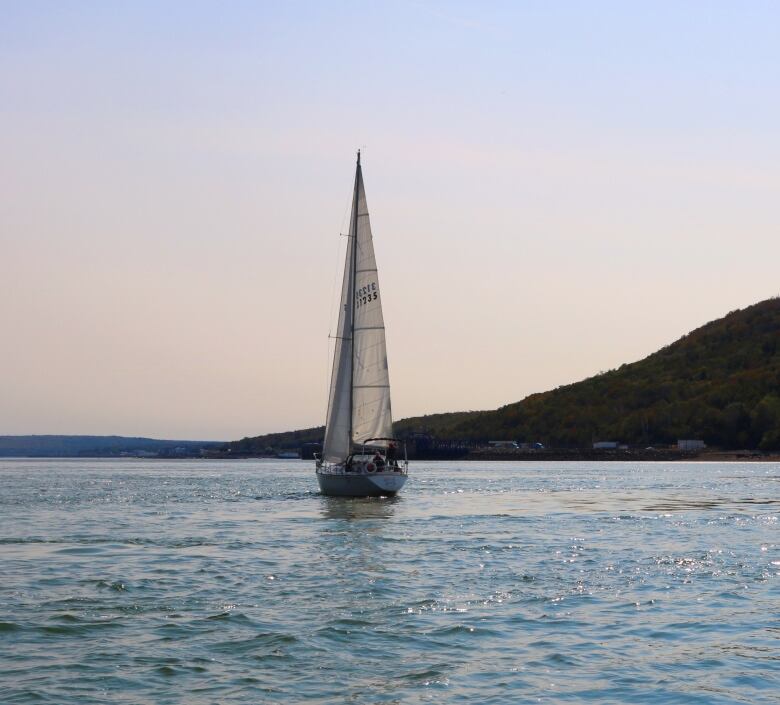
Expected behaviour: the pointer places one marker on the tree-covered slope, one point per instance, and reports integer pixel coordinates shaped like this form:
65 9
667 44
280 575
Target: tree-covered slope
440 425
278 441
720 383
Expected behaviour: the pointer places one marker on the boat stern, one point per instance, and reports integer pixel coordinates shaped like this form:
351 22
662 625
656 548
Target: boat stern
347 484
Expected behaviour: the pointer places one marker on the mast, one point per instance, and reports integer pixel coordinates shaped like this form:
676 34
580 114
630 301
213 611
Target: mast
353 266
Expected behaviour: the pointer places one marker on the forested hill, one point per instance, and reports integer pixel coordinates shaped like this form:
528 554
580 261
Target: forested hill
720 383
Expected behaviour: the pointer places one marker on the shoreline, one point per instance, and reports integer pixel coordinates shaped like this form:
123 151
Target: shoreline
629 455
487 455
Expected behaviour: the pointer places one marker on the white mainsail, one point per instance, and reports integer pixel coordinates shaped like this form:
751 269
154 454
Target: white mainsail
359 404
371 415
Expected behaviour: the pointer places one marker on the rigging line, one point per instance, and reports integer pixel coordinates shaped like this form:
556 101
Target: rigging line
327 385
328 363
347 209
333 288
330 328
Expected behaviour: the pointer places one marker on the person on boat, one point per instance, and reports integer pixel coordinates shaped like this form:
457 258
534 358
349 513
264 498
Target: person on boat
391 454
379 461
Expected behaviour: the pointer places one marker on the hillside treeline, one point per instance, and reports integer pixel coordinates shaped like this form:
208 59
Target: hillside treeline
720 383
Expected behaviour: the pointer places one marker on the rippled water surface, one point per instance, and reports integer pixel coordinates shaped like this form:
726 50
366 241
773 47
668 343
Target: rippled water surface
235 582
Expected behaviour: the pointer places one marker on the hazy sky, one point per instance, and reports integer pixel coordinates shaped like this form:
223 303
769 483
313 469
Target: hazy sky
555 188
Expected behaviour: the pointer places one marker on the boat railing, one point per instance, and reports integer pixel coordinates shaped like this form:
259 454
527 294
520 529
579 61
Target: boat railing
402 467
358 462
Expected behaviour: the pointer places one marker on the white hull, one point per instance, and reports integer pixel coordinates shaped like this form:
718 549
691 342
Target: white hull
337 482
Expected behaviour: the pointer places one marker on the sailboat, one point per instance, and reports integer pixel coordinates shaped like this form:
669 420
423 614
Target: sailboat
360 457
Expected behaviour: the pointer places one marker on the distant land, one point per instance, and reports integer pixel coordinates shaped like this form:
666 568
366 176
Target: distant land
719 384
100 446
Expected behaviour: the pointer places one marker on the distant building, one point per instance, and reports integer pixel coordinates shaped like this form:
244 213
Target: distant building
288 455
691 445
605 445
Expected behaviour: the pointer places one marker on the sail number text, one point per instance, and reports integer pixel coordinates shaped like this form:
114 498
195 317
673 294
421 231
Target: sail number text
366 294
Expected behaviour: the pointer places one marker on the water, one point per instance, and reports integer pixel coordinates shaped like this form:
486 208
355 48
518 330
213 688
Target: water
234 582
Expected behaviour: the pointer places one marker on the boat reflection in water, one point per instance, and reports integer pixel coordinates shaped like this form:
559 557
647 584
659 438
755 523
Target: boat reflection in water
359 508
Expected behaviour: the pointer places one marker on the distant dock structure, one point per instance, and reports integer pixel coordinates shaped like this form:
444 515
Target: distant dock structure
691 444
606 445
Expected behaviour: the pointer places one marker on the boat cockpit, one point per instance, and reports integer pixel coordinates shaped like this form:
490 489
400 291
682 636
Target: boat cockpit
375 458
